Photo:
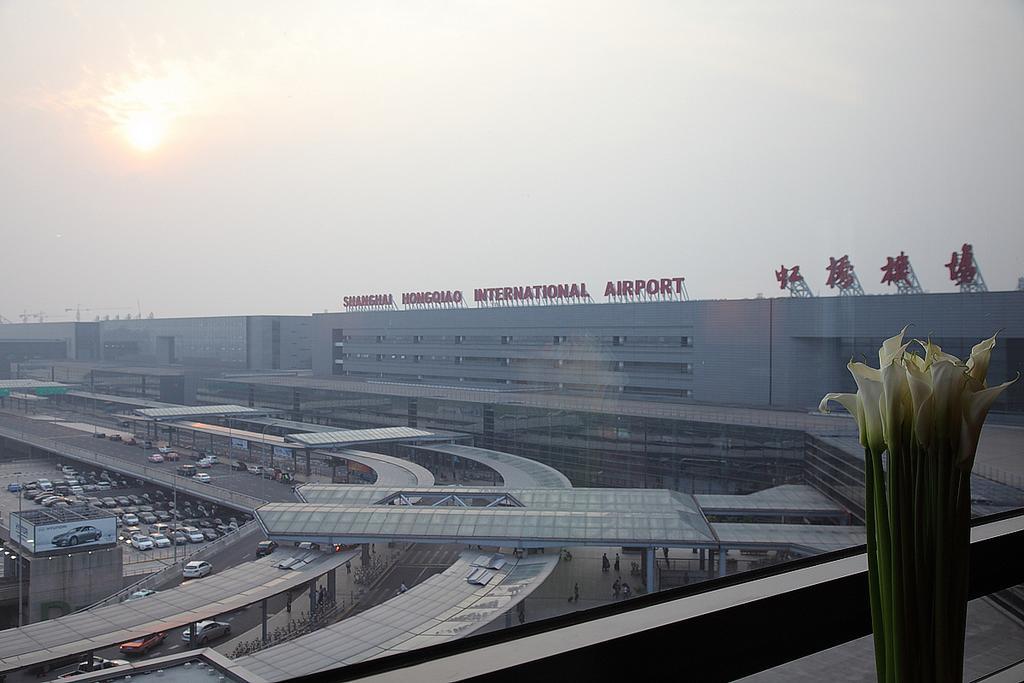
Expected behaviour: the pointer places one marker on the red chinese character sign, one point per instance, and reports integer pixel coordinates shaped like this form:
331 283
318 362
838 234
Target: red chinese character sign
841 275
791 279
898 271
964 271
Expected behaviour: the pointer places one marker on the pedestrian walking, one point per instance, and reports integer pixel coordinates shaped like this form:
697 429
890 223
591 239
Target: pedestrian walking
616 563
665 551
604 562
616 588
576 592
348 567
625 591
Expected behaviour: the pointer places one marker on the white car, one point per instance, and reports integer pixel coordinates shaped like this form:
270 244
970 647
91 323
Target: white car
255 469
139 594
164 449
193 534
196 569
131 519
201 477
156 457
77 490
160 541
212 459
142 542
207 631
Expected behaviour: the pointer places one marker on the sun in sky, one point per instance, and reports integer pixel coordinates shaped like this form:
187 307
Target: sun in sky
144 130
144 104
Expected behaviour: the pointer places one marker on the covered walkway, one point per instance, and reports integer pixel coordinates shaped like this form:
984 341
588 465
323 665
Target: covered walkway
516 471
444 607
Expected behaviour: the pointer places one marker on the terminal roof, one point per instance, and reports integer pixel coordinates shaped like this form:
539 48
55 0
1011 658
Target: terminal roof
790 499
175 412
352 437
124 400
681 525
16 384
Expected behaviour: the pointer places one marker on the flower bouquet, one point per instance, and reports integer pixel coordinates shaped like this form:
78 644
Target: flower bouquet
924 413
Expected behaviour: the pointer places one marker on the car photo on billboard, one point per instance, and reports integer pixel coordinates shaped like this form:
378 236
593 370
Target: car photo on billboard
75 533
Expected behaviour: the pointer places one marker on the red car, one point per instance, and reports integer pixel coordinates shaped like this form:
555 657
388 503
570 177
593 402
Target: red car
143 645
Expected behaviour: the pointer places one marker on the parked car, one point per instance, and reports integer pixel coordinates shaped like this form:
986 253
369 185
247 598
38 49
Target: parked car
160 541
140 594
204 464
187 470
130 510
179 538
212 459
205 524
147 444
77 490
100 435
145 508
130 441
123 501
103 485
196 569
14 487
201 477
80 534
224 529
265 548
156 457
194 535
115 437
210 534
142 645
163 516
147 518
207 631
136 500
50 500
240 466
130 519
141 542
255 469
164 449
172 456
44 485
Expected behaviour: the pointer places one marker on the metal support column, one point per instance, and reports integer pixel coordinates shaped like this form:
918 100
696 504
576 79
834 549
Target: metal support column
721 561
332 584
312 597
309 469
192 635
702 551
366 555
652 570
263 618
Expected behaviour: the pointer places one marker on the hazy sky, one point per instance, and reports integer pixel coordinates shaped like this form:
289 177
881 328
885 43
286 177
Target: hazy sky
250 157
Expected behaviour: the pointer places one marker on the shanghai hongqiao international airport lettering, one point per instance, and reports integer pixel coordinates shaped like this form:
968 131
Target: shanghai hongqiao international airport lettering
642 289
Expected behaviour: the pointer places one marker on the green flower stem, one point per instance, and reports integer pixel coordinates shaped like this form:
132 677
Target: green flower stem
874 592
882 548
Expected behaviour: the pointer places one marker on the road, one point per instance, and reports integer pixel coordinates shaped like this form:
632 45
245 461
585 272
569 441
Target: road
220 475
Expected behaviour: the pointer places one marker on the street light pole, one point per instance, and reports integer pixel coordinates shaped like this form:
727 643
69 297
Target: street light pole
21 496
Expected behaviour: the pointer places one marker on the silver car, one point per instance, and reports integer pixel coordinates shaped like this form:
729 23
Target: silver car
207 631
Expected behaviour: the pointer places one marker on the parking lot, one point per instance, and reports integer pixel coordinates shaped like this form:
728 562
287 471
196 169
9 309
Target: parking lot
140 507
78 429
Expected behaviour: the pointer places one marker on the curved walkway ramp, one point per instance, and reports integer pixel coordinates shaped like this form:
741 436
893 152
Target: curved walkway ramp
444 607
391 471
516 471
192 601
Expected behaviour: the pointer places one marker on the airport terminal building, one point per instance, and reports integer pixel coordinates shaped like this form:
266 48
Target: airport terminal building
771 353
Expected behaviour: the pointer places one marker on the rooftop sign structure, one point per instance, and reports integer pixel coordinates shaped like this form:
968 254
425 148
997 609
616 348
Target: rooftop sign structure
898 271
791 279
842 275
964 270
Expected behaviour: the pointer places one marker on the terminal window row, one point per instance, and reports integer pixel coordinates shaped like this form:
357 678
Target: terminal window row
526 363
684 341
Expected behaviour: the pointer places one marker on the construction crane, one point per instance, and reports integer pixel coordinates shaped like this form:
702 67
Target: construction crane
78 310
25 315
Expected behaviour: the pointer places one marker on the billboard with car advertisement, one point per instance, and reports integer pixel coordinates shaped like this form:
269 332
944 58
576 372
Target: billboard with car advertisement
68 535
239 444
